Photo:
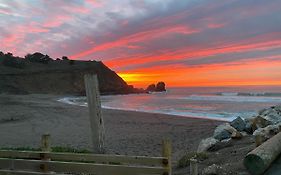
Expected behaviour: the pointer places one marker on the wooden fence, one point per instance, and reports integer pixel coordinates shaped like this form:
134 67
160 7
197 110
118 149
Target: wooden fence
47 162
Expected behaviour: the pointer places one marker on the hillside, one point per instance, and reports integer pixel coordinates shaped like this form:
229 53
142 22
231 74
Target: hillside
38 73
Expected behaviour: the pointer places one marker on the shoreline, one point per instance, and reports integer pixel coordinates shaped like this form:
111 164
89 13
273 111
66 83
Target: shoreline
168 115
24 118
66 100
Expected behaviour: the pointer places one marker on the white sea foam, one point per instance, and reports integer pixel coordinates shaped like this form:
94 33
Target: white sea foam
81 101
229 98
215 105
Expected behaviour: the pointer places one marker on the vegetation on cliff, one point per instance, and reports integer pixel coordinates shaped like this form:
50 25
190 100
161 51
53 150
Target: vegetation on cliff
39 73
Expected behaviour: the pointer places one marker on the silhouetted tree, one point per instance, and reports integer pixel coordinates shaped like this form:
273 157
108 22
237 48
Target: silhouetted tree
27 56
38 58
15 62
9 54
65 58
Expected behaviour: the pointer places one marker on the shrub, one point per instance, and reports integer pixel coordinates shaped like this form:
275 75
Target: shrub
38 58
185 160
13 62
64 58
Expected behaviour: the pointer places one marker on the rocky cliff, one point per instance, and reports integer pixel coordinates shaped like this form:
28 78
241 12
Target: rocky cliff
38 73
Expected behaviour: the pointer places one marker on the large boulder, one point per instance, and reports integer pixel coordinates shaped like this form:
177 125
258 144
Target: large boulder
212 170
222 144
271 115
207 144
151 88
267 132
278 108
239 124
223 131
262 121
236 135
249 127
160 87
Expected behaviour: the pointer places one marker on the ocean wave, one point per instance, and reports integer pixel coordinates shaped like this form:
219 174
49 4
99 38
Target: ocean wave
81 101
201 115
78 101
259 94
229 98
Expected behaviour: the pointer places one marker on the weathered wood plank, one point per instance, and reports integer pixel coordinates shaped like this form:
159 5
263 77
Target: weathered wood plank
71 167
14 172
96 119
97 158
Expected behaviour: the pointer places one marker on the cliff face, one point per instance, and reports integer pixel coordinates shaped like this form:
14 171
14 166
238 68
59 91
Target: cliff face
57 77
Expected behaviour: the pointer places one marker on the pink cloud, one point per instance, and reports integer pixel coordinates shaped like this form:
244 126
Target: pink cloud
57 21
137 37
94 3
215 25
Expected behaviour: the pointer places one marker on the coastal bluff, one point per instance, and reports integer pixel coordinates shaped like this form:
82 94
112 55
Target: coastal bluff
38 73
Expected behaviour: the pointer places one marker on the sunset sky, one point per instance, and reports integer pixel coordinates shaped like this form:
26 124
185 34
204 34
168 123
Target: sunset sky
180 42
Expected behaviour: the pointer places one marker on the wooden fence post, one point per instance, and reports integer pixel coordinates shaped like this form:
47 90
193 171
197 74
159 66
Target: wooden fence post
96 119
45 143
193 166
45 147
167 153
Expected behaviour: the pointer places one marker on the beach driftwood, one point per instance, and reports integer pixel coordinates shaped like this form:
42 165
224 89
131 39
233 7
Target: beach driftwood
96 119
260 159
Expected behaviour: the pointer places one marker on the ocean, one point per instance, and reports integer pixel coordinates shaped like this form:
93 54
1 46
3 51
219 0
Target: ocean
221 103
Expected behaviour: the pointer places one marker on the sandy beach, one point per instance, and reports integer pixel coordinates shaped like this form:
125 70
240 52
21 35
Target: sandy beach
24 118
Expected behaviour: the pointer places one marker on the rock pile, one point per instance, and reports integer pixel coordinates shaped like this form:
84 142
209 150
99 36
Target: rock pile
265 124
159 87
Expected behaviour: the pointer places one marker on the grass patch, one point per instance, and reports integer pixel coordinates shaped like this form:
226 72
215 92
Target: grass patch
21 149
69 150
185 160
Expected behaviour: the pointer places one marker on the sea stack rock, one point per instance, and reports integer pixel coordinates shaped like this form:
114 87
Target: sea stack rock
151 88
160 87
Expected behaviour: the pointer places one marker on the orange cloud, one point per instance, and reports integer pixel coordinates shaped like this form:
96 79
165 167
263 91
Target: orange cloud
195 53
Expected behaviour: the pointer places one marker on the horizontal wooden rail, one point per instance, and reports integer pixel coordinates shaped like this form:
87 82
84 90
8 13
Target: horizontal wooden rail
74 167
14 172
95 158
